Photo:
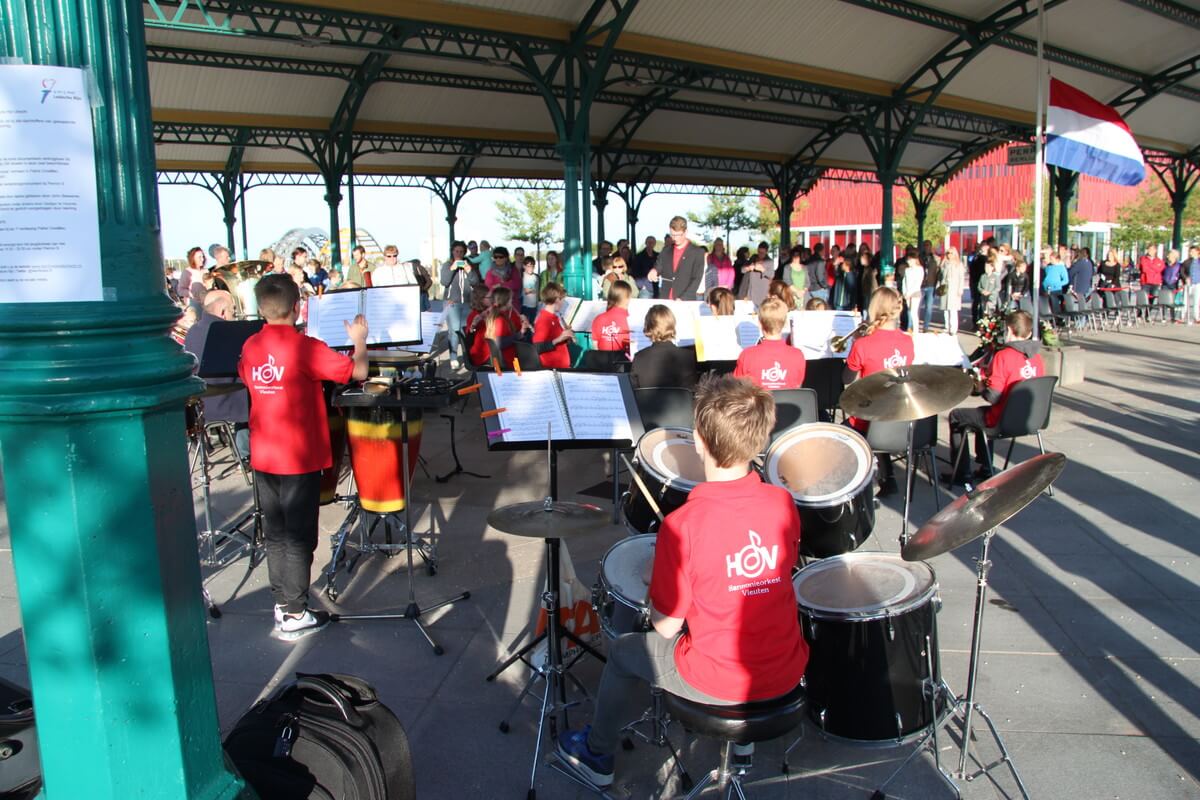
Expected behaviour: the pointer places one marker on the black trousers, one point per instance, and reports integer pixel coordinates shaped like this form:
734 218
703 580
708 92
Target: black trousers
962 419
290 504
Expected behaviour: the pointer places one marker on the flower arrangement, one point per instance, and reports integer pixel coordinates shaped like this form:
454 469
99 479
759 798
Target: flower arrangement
991 331
1049 335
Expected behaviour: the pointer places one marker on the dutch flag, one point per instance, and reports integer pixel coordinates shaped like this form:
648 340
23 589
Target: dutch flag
1084 135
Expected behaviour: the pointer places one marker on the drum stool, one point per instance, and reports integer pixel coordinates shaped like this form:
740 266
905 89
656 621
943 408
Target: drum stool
743 724
659 723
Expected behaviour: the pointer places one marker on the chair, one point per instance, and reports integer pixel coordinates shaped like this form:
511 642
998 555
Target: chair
891 438
665 406
824 376
1073 313
1143 305
527 356
737 725
1095 310
1126 309
1026 413
1112 314
604 361
793 407
1164 303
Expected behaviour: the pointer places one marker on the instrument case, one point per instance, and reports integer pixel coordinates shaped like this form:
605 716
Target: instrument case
20 769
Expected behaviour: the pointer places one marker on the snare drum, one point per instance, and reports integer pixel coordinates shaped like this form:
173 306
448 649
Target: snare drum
830 471
870 623
666 461
622 590
376 441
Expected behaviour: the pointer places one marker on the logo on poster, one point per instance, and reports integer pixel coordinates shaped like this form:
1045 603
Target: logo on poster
47 88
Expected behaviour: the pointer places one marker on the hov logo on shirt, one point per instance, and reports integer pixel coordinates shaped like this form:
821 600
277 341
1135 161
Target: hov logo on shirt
774 374
266 376
1028 371
611 331
752 560
895 360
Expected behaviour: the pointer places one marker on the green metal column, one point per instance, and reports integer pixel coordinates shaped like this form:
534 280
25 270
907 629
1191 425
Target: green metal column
333 197
92 444
787 204
229 206
350 200
1065 183
577 272
242 205
585 155
600 201
1050 207
886 232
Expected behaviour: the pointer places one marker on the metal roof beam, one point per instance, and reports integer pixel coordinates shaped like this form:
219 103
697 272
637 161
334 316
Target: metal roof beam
1172 11
1135 97
952 23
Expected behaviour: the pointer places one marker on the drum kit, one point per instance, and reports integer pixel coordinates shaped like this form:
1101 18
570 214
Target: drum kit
874 675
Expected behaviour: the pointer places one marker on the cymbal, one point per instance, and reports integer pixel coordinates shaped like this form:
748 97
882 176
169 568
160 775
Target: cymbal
908 393
395 357
990 504
541 520
250 262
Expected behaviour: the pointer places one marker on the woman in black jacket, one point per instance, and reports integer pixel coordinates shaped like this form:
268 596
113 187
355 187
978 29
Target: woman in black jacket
663 363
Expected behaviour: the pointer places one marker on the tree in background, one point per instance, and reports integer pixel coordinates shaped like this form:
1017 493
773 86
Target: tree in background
1048 236
533 219
767 221
726 212
904 225
1148 218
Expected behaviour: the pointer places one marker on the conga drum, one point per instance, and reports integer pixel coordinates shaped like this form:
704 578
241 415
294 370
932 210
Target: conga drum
375 435
337 444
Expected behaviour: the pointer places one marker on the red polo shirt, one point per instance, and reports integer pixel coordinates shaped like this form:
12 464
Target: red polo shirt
610 330
772 364
283 370
723 561
1008 367
883 349
547 328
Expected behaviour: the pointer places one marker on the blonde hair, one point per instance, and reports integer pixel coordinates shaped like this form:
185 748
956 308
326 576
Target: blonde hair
501 306
617 261
721 300
884 308
772 316
734 418
620 290
660 324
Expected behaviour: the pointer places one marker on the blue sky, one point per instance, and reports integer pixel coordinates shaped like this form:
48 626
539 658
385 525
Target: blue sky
191 216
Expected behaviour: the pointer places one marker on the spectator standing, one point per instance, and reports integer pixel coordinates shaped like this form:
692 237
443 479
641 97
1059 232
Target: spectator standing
1150 270
975 270
458 277
845 287
503 273
1191 280
553 273
928 285
1080 274
815 267
1110 270
757 275
1017 283
912 282
603 250
720 267
954 276
795 272
642 266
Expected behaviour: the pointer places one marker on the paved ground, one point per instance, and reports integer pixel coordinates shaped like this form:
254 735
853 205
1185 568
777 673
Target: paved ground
1090 667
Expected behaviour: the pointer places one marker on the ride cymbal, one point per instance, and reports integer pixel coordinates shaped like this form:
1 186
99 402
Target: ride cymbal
907 393
988 506
548 520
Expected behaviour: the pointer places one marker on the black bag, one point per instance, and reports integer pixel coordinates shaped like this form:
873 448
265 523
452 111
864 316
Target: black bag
323 737
20 769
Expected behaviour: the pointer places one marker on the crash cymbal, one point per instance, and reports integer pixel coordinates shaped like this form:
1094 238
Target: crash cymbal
988 506
907 393
542 520
252 262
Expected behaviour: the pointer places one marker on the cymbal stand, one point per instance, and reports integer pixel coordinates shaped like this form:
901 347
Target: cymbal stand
966 705
413 610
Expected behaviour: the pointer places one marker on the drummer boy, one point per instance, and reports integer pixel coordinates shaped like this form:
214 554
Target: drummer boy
289 441
726 554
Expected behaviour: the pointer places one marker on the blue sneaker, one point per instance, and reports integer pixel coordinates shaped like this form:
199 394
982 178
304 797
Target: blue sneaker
573 749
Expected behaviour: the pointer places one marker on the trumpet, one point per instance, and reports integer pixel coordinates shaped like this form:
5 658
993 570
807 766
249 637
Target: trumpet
838 344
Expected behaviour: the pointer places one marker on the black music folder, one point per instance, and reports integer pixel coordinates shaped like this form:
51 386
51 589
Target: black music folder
576 409
223 347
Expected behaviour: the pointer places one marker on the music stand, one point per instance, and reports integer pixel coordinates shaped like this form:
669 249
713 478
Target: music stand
223 347
554 671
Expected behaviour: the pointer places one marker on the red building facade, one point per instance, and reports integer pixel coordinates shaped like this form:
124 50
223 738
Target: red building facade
982 200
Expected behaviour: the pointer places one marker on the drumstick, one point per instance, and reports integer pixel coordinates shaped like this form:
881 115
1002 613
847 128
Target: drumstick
645 492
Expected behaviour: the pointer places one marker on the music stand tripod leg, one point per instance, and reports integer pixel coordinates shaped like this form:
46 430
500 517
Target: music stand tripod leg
458 467
413 611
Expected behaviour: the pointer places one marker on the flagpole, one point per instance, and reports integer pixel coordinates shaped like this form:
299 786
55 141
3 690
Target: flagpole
1040 168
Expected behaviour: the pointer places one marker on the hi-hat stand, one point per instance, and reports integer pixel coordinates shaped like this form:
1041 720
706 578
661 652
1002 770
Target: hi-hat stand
413 611
965 707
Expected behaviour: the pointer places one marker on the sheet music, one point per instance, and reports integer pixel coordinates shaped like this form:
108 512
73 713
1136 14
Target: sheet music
637 340
393 314
431 324
585 314
812 330
327 312
939 348
740 308
529 400
724 338
596 406
570 307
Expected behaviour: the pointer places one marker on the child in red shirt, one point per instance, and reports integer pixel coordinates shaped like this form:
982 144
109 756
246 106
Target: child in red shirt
500 324
772 363
883 346
289 441
610 330
550 336
1019 359
722 563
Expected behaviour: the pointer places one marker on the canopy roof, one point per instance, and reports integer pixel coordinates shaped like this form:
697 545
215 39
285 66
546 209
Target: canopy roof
695 91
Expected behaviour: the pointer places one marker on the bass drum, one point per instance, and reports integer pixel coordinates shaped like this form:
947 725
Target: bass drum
621 596
871 627
666 461
830 471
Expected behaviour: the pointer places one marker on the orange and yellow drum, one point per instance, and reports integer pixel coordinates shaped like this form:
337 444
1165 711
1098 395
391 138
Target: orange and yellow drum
375 437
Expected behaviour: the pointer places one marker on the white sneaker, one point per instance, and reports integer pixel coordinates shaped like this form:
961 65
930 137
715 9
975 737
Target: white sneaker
278 614
293 627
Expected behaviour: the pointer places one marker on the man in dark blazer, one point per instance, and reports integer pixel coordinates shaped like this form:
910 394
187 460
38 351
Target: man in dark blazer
681 265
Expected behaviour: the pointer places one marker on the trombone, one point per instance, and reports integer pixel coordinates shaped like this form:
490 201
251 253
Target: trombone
838 344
